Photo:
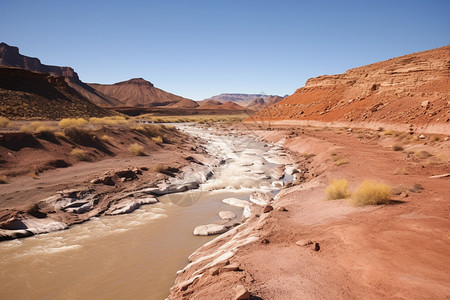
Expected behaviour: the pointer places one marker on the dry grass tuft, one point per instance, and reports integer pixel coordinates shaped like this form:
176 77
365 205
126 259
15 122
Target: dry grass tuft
80 154
158 139
112 121
422 154
397 147
4 122
137 149
3 179
371 193
308 155
388 132
342 161
69 122
105 138
338 189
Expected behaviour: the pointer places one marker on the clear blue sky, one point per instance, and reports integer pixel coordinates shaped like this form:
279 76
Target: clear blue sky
199 49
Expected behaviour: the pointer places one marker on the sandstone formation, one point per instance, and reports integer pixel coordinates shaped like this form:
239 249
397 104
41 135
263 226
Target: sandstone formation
138 92
25 94
10 57
410 89
249 101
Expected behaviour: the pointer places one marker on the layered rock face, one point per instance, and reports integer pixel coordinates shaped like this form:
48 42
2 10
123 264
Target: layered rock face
138 92
408 89
25 94
10 57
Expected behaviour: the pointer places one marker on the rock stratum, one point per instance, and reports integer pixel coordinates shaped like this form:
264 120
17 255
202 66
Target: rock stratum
25 94
411 89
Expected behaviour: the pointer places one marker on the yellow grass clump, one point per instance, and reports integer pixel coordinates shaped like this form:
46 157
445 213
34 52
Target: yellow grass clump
3 179
80 154
115 120
4 122
371 193
338 189
342 161
68 122
137 149
105 138
158 139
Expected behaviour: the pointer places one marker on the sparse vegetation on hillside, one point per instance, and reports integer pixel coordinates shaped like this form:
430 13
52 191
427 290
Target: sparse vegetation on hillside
80 154
371 193
202 119
112 121
68 122
397 147
338 189
157 139
137 149
3 179
4 122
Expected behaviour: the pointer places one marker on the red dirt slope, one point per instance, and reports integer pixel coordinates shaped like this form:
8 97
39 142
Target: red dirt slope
408 89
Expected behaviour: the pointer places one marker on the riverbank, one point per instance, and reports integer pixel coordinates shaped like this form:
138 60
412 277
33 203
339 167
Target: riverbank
310 247
49 189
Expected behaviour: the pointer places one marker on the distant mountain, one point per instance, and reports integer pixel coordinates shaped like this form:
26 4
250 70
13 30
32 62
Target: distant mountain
10 57
249 101
25 94
220 105
138 92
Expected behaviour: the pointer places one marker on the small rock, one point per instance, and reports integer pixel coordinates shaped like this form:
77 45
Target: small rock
227 215
96 181
303 243
210 229
282 208
144 168
425 103
278 184
268 208
316 247
265 241
241 293
108 180
421 136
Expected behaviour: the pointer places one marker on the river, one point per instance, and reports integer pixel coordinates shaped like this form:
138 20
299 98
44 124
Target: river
136 256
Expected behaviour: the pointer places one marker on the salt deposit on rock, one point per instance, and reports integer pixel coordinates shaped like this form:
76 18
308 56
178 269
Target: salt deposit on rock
235 202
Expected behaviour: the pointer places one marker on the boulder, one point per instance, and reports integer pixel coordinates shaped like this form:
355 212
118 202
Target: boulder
241 293
226 215
290 170
278 184
247 212
210 229
129 205
267 208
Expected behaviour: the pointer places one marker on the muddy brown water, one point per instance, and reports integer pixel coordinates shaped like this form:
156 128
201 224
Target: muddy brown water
133 256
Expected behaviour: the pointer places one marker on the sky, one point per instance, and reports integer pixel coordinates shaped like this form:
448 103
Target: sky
197 49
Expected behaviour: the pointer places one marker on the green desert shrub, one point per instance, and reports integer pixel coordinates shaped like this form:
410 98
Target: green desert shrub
370 192
338 189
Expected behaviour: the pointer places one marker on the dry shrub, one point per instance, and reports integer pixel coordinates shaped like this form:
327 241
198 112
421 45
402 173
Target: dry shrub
371 193
80 154
388 132
422 154
338 189
158 139
105 138
26 129
308 155
80 136
342 161
137 149
4 122
3 179
68 122
116 120
397 147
